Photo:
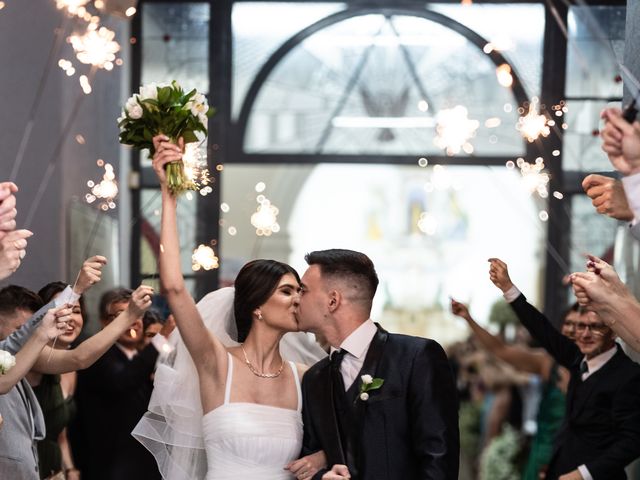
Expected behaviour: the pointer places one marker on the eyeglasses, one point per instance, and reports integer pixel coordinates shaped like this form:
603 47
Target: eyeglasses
594 328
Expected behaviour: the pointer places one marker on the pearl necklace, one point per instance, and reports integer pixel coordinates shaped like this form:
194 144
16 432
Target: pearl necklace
255 371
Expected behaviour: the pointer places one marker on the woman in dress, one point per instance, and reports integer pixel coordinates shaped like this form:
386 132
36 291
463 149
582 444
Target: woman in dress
250 417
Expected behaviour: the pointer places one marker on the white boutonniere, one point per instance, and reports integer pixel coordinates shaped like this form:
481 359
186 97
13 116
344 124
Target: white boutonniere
368 383
7 361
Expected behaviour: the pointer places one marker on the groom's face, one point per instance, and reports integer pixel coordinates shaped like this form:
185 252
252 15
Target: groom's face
313 301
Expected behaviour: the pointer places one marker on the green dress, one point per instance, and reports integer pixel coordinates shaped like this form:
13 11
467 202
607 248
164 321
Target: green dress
550 416
57 412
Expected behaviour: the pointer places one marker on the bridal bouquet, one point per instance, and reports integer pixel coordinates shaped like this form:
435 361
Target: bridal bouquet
165 109
7 361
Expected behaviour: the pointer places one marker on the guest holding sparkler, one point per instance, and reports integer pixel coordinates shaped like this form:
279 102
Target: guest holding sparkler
113 394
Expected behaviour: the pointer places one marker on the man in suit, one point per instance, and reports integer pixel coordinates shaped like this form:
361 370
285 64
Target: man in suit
23 422
601 431
112 395
384 405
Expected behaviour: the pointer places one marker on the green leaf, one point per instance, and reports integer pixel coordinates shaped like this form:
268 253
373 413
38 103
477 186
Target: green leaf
164 95
376 383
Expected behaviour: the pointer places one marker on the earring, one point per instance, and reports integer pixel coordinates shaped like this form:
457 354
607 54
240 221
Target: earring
259 315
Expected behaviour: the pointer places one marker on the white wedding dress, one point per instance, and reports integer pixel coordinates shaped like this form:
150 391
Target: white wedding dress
251 441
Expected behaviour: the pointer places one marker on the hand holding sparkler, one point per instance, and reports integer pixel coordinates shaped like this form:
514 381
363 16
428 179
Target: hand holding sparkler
8 209
89 274
54 322
499 274
608 196
621 141
140 301
13 248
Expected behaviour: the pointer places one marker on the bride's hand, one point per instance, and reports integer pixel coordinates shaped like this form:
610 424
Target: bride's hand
166 152
307 467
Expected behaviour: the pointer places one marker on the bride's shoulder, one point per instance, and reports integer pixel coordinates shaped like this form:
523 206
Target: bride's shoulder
302 369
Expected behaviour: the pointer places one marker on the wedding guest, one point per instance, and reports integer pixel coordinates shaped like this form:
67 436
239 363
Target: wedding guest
111 397
538 362
384 405
601 432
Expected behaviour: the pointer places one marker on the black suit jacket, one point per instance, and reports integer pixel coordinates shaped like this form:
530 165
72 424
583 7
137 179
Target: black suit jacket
111 397
602 424
407 429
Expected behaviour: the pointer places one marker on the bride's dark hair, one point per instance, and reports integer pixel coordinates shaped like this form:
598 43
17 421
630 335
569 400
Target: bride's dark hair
255 283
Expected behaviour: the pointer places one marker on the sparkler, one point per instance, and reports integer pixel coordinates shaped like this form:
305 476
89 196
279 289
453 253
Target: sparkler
96 47
454 130
532 125
106 190
195 168
265 219
204 258
534 178
73 7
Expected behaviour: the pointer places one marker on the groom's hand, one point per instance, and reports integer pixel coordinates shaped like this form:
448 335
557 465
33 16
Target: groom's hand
338 472
307 467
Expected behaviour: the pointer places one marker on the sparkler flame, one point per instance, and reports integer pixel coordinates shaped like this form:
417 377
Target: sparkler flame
204 258
534 178
74 7
96 47
195 168
454 129
106 190
533 124
265 219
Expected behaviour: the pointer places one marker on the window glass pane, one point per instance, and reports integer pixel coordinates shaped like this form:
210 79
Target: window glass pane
175 46
376 84
590 232
596 42
429 231
259 29
520 42
582 142
150 230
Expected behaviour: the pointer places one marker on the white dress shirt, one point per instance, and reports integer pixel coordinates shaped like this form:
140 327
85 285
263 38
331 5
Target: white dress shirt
356 345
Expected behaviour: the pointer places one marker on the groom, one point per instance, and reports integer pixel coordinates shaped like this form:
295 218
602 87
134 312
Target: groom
384 405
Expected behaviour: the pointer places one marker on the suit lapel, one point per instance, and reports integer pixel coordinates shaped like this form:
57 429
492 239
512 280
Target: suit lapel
370 367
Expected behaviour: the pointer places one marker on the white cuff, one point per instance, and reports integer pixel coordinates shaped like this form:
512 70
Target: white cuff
511 294
162 344
66 296
631 186
585 472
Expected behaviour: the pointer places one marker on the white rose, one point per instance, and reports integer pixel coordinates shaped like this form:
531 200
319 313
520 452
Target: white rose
367 379
134 110
149 91
7 362
199 98
364 396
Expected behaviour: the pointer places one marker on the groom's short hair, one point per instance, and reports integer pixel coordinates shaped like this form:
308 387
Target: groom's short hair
347 264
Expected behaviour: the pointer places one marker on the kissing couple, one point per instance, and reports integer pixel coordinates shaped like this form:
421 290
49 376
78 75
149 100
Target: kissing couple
229 405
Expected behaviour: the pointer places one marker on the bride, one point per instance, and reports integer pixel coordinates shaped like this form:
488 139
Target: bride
248 414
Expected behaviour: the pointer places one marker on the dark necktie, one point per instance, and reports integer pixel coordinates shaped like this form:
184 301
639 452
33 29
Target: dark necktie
584 368
336 361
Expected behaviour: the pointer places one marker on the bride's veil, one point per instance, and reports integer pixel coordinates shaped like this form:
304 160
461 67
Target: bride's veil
172 428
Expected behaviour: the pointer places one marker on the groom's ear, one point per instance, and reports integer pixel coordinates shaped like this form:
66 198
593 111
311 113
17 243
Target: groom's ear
334 300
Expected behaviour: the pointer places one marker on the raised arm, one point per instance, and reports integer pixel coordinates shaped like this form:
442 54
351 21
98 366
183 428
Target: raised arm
557 345
85 354
522 359
206 350
53 323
